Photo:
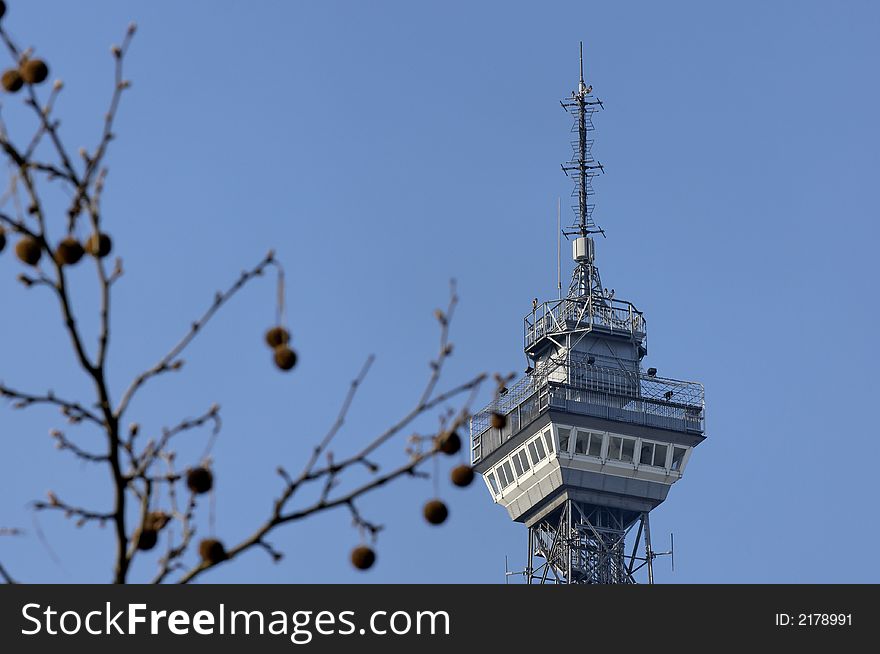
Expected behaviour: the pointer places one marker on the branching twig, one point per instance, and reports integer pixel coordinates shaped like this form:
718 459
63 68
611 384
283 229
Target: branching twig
72 410
170 360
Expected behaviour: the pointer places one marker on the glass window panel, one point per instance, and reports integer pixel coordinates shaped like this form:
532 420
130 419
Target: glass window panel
534 452
508 472
548 438
660 456
491 479
524 459
595 444
517 465
502 480
614 446
581 443
629 448
678 457
647 453
541 452
564 437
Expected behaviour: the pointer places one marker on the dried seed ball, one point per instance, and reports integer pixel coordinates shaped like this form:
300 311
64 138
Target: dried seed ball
99 245
69 251
156 520
462 475
2 239
28 251
449 443
12 80
498 420
436 512
363 557
34 71
147 539
199 480
212 551
285 358
277 336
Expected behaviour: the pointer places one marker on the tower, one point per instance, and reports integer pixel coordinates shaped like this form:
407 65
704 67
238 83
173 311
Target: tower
586 443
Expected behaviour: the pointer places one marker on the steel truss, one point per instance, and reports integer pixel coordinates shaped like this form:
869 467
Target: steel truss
586 544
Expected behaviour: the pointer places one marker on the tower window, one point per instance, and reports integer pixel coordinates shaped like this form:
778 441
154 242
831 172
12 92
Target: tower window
492 483
548 438
564 438
678 457
595 445
621 449
660 455
582 442
647 455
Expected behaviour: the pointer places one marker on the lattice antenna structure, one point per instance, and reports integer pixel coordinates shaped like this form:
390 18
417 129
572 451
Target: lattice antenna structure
582 168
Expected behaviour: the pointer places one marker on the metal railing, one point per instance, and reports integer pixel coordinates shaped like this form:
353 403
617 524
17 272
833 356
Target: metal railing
571 314
602 392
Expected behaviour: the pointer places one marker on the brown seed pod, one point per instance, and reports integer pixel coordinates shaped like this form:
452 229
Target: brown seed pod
498 420
277 336
34 71
449 442
147 539
199 480
156 520
99 245
363 557
285 358
462 475
28 251
69 251
212 551
12 80
2 239
436 512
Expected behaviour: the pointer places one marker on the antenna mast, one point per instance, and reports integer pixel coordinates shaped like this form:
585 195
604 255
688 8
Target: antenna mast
582 167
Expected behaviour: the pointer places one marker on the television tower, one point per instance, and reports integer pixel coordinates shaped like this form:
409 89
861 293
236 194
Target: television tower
586 443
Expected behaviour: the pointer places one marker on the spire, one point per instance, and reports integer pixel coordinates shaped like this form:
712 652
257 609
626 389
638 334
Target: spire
581 168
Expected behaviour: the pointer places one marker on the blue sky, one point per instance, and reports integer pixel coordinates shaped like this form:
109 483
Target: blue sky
383 148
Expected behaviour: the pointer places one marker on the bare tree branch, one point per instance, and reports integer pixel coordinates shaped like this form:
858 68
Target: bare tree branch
170 361
72 410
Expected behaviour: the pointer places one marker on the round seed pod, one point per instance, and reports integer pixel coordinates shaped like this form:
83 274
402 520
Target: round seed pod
199 480
363 557
436 512
28 251
462 475
34 71
147 539
285 358
277 336
12 80
498 420
2 239
69 251
449 443
212 551
99 245
156 520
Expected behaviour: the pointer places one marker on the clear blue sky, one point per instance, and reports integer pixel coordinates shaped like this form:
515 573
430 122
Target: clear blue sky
383 148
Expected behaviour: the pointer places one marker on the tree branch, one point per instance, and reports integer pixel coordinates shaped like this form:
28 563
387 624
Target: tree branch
168 362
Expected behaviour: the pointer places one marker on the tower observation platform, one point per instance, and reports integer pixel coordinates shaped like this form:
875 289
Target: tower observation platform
586 443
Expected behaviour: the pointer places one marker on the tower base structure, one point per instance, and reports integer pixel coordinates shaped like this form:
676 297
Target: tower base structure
587 544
